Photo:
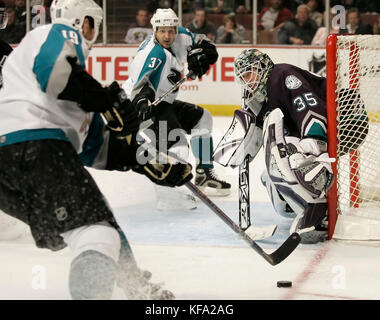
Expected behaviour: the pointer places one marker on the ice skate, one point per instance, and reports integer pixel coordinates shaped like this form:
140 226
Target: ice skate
209 184
312 224
136 286
171 199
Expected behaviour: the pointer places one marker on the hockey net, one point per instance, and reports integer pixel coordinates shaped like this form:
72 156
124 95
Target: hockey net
353 104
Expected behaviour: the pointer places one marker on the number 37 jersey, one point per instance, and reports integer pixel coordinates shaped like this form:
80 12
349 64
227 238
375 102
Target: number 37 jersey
159 67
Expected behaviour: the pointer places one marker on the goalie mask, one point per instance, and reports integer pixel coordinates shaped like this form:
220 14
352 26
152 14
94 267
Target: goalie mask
73 13
3 15
252 68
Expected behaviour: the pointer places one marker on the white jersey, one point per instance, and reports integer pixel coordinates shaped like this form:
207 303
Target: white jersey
160 67
34 74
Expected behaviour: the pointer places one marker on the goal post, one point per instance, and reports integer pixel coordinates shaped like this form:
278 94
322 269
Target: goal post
353 115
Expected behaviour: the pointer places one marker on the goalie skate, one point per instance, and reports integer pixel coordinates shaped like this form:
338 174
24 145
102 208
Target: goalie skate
171 199
136 286
209 184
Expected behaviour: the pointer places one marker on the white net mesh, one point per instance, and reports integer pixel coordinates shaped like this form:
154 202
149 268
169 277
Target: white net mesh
358 117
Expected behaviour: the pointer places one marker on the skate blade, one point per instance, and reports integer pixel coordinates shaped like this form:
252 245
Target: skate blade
213 192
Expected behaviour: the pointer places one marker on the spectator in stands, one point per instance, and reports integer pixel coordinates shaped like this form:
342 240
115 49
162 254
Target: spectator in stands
14 32
314 14
200 24
153 5
242 6
368 6
274 16
20 9
354 23
376 26
137 32
219 6
347 4
321 34
300 30
230 31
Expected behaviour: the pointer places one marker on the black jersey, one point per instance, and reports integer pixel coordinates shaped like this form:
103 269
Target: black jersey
5 50
301 96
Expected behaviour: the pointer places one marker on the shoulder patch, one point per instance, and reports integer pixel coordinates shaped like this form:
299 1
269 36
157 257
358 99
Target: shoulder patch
292 82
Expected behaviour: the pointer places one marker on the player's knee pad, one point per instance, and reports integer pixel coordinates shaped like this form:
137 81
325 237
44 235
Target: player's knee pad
100 237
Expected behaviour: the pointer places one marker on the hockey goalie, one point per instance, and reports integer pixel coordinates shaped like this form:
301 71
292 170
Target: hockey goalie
284 110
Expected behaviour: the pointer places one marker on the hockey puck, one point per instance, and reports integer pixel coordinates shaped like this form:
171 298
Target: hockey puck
284 284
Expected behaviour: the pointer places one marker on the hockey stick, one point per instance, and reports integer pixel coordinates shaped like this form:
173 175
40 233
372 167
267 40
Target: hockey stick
255 233
147 123
273 258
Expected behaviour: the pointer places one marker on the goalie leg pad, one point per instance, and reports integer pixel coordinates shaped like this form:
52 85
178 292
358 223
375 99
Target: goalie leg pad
278 201
286 160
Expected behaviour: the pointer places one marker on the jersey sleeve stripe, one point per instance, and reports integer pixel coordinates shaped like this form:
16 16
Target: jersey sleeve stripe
51 50
182 30
93 142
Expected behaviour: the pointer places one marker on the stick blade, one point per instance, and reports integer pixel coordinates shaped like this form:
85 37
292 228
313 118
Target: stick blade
285 250
260 233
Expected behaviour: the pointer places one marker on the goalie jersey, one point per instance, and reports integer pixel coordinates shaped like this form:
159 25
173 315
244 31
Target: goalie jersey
301 96
159 67
34 75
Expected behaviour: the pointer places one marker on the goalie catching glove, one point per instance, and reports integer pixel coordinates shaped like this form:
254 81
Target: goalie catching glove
165 170
200 57
310 163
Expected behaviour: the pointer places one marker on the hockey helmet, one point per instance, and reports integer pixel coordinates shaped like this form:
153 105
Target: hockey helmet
252 68
74 12
3 15
164 18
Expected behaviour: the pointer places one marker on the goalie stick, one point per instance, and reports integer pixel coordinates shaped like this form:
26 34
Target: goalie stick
255 233
273 258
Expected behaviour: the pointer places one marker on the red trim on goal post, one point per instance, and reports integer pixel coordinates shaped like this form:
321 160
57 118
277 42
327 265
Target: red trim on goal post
354 155
332 134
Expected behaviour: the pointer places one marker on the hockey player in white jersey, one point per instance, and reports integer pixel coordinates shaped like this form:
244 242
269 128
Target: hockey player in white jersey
157 66
10 228
51 125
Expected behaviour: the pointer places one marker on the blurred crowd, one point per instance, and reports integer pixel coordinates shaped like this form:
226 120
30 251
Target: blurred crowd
291 22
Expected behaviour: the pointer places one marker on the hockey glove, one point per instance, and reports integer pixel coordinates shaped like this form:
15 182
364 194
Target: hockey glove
312 166
121 115
143 101
201 57
166 170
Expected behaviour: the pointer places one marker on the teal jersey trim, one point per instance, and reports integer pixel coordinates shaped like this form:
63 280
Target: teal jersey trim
31 134
51 49
144 43
183 30
154 65
317 131
93 142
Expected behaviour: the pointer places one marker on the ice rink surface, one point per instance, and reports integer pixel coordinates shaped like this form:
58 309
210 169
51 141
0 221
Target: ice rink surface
196 255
